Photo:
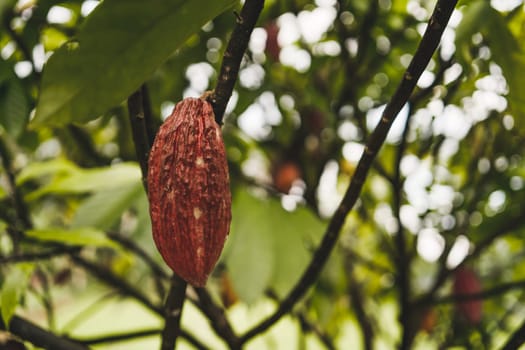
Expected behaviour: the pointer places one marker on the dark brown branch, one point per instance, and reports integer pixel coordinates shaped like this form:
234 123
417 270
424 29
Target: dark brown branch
424 52
23 221
218 320
118 337
485 294
233 55
27 257
151 127
356 299
309 326
139 129
38 336
403 259
173 312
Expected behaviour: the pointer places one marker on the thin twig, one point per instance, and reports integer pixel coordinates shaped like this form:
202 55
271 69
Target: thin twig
403 259
173 312
356 299
309 326
23 220
132 246
233 55
502 226
115 281
424 52
117 337
484 294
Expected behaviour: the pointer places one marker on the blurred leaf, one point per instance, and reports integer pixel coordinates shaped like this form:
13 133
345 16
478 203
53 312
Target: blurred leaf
57 166
13 288
473 20
117 49
141 205
250 255
14 103
76 236
479 16
103 209
269 247
5 5
294 244
88 180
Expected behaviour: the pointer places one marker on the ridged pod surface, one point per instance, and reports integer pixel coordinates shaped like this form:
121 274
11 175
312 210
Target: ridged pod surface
189 191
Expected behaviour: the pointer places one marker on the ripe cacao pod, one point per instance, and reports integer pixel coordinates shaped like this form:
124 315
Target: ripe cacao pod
466 281
189 191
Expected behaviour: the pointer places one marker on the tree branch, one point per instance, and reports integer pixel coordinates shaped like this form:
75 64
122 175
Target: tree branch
27 257
218 320
121 285
158 271
117 337
173 312
139 129
424 52
233 55
38 336
516 339
485 294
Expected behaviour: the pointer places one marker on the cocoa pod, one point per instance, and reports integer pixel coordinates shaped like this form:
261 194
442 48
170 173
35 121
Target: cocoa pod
189 191
466 281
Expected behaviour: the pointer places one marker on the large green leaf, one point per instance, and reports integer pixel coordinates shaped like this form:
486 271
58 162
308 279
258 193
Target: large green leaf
114 202
479 16
268 246
249 252
119 47
91 180
57 166
75 237
14 103
13 288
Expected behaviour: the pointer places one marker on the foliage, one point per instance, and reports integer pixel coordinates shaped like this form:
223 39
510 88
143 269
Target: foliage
444 194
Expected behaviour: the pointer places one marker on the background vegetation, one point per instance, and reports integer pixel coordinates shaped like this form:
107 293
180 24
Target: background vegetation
431 254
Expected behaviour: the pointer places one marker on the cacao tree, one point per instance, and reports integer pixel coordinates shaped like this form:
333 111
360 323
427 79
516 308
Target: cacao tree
360 161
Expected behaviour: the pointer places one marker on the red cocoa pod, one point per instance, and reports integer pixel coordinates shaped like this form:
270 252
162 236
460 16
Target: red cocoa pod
189 191
273 50
466 281
284 174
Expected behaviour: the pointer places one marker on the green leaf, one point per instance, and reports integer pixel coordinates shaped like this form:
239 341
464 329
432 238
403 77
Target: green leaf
250 254
295 238
57 166
119 47
5 5
268 246
13 289
479 16
473 21
103 209
91 180
14 103
75 236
